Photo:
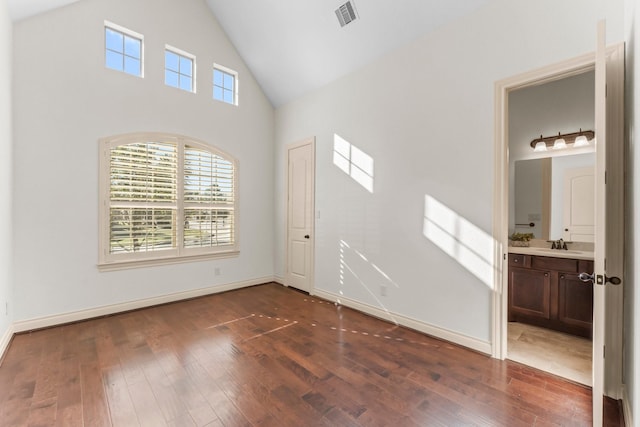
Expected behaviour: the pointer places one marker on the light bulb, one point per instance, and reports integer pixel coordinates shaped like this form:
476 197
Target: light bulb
559 144
540 146
581 141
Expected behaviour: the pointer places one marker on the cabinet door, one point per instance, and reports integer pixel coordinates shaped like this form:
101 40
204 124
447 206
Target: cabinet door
529 292
575 301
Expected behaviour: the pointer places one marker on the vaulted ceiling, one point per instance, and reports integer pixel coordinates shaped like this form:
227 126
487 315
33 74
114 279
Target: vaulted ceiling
293 47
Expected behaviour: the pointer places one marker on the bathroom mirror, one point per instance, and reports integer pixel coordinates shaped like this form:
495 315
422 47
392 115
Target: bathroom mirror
553 197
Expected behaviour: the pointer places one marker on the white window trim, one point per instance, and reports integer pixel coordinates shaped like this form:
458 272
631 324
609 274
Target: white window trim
110 262
186 55
130 33
236 88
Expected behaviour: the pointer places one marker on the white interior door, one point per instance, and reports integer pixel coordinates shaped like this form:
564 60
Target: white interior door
579 199
609 223
300 215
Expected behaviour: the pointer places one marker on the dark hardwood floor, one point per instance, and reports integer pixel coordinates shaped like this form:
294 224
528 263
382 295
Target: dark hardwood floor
270 356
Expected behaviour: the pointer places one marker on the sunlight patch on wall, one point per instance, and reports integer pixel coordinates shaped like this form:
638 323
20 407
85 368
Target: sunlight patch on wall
355 265
463 241
353 161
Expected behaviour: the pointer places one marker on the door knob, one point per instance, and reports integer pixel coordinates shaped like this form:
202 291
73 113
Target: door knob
599 279
306 236
613 280
586 277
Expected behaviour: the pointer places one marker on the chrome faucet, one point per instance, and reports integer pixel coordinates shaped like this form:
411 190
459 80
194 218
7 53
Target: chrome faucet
559 244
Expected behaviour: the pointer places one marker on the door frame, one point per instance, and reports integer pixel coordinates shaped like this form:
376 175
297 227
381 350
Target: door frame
312 142
502 88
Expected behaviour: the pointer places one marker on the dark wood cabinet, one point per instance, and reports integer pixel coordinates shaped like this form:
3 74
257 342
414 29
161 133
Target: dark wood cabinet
547 292
575 301
530 292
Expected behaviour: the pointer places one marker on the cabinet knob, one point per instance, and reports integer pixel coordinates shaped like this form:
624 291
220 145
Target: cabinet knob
546 274
562 277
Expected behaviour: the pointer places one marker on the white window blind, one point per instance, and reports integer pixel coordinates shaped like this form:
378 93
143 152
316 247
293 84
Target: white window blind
208 199
143 195
166 197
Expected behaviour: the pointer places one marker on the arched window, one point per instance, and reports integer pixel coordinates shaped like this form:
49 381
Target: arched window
165 198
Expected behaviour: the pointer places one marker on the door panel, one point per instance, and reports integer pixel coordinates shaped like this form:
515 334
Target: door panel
529 292
298 258
300 215
575 301
579 200
299 166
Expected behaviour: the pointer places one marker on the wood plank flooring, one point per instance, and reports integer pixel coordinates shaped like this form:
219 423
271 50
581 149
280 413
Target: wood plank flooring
270 356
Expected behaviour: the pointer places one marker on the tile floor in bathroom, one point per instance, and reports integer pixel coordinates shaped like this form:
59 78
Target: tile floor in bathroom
561 354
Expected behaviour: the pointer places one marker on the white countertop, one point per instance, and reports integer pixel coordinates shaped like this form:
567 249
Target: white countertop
556 253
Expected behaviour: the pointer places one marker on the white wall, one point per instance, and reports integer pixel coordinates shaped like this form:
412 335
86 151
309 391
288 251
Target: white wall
65 100
631 372
6 168
425 114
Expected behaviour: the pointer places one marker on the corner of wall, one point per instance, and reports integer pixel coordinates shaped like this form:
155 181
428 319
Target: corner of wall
6 177
626 407
5 340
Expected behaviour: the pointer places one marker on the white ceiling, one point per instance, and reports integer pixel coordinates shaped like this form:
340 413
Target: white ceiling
293 47
20 9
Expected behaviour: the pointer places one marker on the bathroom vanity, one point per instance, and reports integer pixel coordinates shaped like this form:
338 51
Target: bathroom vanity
544 289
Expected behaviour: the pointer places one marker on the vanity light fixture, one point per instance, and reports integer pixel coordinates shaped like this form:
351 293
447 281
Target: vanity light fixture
560 141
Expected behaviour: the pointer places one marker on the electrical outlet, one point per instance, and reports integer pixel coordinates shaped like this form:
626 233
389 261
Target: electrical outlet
216 271
383 290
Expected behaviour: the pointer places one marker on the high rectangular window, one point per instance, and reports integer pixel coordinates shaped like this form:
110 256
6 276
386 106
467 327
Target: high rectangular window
123 49
179 69
225 85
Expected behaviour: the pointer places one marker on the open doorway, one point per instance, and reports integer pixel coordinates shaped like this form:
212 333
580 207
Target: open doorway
549 308
609 224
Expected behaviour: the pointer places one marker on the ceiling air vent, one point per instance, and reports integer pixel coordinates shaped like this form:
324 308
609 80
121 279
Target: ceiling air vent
346 13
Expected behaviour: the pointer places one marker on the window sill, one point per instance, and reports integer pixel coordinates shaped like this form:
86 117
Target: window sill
123 265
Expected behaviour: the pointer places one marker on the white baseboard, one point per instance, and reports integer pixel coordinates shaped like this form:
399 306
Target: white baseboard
435 331
5 340
59 319
626 407
279 280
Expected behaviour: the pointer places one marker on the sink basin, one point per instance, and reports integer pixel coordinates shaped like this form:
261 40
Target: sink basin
557 253
562 251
